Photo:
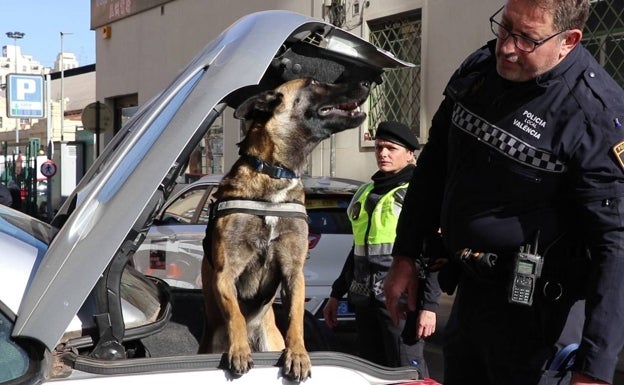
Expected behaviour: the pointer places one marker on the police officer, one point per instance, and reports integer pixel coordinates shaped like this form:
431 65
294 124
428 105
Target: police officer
374 212
526 149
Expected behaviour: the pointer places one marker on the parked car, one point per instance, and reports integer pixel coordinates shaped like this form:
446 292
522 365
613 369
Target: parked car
173 249
73 310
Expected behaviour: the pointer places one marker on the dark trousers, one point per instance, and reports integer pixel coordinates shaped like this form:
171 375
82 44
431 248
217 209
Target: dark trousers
491 342
379 340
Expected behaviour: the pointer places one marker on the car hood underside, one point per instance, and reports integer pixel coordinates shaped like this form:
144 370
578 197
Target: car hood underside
106 217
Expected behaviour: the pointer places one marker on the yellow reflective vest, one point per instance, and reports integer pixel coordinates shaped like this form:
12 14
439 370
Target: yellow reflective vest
373 236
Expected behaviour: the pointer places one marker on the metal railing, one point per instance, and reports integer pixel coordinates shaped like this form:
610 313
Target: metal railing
398 97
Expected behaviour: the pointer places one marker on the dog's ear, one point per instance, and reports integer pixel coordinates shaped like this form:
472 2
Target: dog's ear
259 107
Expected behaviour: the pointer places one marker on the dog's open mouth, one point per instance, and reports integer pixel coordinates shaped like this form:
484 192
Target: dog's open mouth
351 109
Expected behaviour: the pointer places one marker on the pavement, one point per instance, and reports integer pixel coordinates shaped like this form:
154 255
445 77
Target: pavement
433 348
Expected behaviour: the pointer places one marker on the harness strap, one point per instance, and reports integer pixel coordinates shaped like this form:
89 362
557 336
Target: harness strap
262 208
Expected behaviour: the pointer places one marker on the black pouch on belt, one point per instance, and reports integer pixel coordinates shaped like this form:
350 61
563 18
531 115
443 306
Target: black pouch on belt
478 266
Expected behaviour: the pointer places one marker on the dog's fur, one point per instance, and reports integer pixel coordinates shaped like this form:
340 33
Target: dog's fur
248 256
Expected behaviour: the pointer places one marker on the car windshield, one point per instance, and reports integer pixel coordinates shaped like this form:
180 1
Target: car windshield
184 208
327 215
14 362
24 242
17 223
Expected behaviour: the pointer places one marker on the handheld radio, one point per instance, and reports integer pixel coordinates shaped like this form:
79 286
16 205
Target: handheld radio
527 269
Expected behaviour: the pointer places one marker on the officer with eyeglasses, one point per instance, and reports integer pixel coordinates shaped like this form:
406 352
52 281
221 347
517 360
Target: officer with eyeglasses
523 172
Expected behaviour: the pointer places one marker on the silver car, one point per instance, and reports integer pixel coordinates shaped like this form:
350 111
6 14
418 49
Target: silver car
173 250
73 310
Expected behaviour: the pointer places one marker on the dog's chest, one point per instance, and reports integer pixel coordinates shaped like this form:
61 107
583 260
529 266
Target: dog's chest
271 225
280 247
283 194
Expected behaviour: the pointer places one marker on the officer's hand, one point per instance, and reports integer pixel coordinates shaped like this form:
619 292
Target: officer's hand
402 277
582 379
426 324
330 312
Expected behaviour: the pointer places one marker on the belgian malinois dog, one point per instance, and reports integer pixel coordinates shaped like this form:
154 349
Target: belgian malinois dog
257 237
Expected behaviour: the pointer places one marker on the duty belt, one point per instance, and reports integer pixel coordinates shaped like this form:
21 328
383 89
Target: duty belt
488 268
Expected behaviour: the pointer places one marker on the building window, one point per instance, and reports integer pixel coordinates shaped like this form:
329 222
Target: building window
604 36
398 97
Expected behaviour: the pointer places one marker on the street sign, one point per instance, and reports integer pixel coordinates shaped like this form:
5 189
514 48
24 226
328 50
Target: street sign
25 96
48 168
97 116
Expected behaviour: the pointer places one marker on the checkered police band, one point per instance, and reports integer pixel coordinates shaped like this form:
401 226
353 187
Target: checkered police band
505 143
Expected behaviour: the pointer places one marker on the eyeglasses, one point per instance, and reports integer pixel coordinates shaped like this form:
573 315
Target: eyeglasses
523 43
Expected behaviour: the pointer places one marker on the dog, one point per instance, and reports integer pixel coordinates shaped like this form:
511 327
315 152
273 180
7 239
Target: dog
257 237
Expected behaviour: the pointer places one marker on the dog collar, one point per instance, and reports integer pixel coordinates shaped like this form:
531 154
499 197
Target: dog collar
269 168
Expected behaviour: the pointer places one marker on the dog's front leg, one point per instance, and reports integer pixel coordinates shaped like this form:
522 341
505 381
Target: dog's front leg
239 352
297 365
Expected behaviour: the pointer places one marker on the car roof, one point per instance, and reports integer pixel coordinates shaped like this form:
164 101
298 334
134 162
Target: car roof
125 187
330 185
312 184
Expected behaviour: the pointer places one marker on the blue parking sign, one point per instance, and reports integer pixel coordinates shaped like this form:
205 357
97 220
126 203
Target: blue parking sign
25 94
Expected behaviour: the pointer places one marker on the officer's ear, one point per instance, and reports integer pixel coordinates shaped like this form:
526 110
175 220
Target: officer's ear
570 40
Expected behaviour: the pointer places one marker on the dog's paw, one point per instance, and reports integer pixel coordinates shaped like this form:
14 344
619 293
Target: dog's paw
296 365
240 361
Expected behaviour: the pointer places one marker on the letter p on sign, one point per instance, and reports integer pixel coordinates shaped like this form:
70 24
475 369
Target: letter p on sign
25 87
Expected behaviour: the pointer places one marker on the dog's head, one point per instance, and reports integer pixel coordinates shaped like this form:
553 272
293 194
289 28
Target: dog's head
314 109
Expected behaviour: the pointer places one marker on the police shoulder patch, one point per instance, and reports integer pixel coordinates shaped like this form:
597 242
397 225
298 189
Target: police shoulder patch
618 150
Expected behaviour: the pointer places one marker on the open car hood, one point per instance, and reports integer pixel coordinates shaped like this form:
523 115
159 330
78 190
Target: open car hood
107 216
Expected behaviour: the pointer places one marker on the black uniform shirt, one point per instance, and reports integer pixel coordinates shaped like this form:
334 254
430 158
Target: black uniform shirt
504 160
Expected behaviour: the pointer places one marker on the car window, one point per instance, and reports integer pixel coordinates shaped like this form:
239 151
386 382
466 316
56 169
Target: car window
205 211
328 215
183 209
13 359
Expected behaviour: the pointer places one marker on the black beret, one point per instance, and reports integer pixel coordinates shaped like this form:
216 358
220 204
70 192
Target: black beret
398 133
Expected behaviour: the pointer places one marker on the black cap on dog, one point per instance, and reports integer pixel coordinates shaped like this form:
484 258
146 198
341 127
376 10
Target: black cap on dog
398 133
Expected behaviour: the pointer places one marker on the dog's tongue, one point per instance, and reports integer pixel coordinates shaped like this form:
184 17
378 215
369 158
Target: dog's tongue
348 106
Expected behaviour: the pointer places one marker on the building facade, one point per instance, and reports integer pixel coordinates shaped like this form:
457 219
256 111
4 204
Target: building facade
142 46
26 142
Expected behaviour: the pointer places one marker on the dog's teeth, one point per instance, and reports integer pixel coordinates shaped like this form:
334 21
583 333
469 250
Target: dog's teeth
345 108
